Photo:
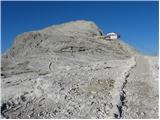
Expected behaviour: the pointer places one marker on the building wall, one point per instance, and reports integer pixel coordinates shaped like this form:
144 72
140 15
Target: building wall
114 37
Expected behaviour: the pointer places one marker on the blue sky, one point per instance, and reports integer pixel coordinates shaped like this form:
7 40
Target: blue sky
137 22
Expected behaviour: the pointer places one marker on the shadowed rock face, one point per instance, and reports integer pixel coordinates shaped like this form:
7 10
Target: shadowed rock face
67 71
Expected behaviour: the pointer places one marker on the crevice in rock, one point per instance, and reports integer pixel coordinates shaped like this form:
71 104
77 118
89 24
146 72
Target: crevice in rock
74 49
122 96
50 64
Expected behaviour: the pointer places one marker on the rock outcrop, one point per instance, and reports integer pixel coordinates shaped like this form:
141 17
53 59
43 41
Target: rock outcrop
66 71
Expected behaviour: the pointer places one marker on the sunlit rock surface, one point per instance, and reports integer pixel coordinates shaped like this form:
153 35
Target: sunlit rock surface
67 71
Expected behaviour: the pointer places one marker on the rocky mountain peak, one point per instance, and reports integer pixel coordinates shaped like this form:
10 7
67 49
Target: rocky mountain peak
76 37
70 71
80 26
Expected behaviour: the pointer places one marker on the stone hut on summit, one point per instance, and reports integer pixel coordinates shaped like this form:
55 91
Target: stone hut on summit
111 36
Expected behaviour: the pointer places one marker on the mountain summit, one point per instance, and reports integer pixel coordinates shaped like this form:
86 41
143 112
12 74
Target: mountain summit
71 71
59 38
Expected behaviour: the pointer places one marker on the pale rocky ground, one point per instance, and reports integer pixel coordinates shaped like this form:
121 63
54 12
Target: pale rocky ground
66 71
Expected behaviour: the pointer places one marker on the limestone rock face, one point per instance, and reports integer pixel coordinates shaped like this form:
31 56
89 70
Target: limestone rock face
66 71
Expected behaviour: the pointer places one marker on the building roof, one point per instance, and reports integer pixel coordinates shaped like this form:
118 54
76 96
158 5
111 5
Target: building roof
111 33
